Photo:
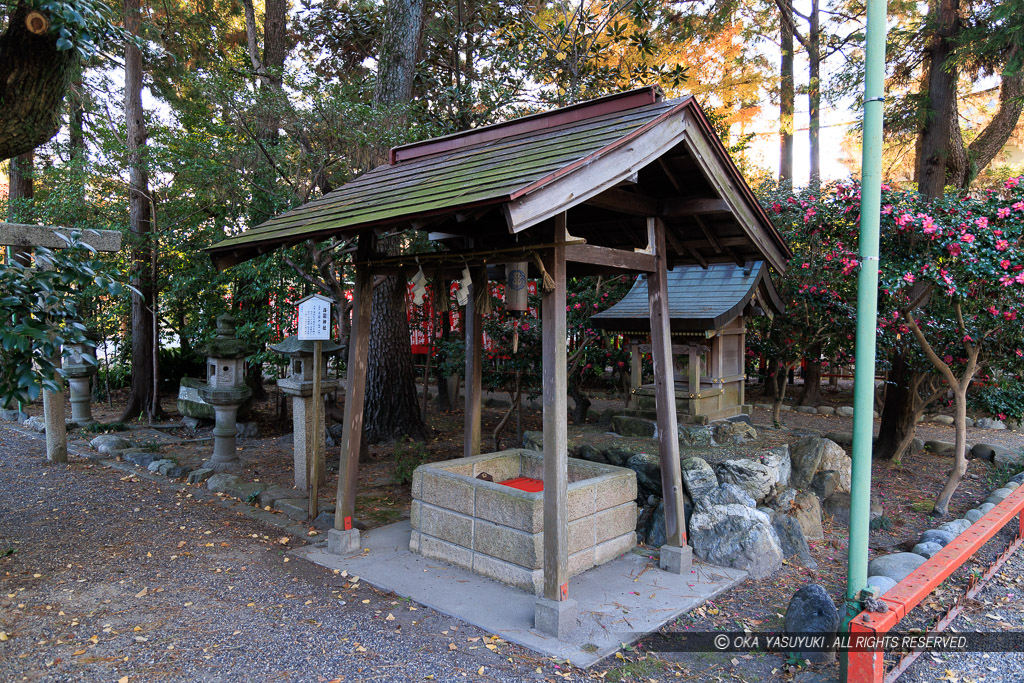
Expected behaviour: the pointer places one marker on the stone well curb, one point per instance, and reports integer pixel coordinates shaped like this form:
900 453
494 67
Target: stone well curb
892 568
297 529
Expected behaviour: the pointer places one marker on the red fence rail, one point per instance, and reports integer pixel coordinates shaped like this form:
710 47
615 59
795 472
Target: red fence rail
869 667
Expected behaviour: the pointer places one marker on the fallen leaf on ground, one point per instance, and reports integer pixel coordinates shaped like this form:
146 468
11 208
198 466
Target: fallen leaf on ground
142 593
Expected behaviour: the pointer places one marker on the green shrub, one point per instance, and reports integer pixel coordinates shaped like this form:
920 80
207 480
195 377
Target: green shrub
408 455
1004 399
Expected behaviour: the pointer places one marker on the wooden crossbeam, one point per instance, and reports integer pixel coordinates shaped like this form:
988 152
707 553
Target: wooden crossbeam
708 234
622 201
612 258
676 208
24 235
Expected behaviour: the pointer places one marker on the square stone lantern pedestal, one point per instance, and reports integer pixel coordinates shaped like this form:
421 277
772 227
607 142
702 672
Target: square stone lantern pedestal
299 385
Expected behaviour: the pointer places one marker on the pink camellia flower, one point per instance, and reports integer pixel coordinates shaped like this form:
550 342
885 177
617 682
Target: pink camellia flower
1019 206
904 220
993 310
1005 264
1020 353
947 359
928 224
967 238
805 266
909 277
1011 182
953 249
981 222
1003 212
1019 279
1010 315
776 207
1006 280
887 209
1001 245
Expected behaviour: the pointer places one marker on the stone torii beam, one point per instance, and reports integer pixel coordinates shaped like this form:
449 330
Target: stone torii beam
24 236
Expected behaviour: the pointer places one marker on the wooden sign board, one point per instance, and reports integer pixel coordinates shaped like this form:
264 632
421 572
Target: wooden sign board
314 318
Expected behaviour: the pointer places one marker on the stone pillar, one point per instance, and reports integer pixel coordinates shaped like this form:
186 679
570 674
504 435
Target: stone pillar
225 456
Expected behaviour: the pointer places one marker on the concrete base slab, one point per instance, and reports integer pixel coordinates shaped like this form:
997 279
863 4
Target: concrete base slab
556 618
676 560
630 588
343 542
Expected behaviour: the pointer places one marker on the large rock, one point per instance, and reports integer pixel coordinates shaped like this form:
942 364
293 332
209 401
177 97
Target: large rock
834 458
109 443
734 432
989 423
825 483
955 526
838 506
1007 457
792 541
813 453
806 508
779 462
725 494
654 534
219 483
897 566
648 473
698 477
698 436
736 536
633 426
844 411
926 550
751 476
36 424
882 583
943 538
811 610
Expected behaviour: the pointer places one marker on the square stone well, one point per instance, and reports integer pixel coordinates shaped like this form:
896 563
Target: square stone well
498 531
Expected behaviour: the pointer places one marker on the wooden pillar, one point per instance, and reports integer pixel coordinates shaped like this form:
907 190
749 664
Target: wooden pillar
344 538
474 358
664 389
742 352
556 474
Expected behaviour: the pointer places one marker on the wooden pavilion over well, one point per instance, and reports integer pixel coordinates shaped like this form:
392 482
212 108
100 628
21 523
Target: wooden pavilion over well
707 310
629 182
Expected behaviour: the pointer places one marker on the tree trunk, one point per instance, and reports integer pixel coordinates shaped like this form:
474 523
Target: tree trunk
956 474
391 407
899 419
940 113
34 76
20 194
142 396
786 96
814 98
810 395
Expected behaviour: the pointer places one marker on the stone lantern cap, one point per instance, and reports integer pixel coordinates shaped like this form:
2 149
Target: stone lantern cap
225 344
292 346
76 366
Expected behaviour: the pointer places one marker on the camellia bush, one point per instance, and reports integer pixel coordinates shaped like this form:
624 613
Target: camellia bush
951 278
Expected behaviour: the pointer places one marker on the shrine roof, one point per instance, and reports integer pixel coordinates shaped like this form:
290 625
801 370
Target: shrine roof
608 163
698 298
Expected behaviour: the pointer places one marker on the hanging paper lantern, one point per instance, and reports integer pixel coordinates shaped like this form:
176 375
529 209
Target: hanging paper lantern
516 294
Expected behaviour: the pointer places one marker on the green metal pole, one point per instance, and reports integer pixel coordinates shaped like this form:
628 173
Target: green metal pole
867 309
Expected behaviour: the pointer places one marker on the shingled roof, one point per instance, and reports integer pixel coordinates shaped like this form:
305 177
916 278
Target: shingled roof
609 163
699 299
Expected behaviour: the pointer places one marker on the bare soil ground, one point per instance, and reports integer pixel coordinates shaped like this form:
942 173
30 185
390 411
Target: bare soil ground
906 490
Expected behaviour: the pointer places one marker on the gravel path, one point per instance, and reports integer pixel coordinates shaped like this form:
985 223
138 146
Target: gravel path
997 608
107 577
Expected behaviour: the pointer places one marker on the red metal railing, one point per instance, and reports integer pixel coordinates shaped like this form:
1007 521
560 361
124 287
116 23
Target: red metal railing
869 667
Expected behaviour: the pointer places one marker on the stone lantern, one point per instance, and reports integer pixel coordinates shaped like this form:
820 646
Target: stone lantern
299 385
225 390
80 369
